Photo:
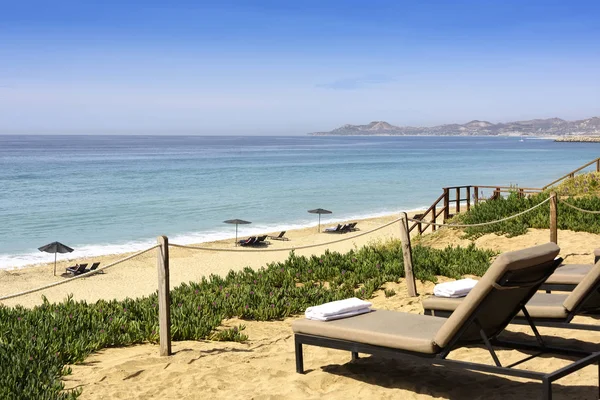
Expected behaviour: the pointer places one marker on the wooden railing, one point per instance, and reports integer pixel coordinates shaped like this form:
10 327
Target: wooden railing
434 211
459 197
572 173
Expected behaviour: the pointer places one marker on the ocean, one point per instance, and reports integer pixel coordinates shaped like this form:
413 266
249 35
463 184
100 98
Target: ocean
113 194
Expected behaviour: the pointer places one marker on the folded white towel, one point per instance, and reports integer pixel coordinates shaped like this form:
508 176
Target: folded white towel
338 307
458 288
319 317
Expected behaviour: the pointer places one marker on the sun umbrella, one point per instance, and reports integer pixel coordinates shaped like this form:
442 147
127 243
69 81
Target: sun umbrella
319 211
55 247
237 222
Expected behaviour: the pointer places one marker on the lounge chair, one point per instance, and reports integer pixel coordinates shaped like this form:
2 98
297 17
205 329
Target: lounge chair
93 267
279 237
553 310
338 228
247 242
260 240
76 269
351 227
568 276
504 289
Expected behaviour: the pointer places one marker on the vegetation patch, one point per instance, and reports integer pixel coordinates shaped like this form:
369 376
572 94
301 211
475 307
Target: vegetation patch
36 344
568 218
580 185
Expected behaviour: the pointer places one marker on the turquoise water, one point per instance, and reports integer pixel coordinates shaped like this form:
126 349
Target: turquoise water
109 194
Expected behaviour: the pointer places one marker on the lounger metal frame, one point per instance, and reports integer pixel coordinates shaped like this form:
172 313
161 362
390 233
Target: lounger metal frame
558 287
586 358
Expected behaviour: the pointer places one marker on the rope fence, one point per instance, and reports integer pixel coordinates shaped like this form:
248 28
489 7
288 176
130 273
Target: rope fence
579 209
482 223
96 271
101 269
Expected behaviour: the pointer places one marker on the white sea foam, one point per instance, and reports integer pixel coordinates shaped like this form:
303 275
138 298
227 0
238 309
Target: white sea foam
15 261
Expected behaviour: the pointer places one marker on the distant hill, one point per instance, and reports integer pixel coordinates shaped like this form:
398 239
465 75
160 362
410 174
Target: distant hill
534 127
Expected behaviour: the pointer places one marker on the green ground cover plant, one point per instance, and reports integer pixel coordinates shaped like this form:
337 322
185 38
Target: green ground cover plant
568 218
36 344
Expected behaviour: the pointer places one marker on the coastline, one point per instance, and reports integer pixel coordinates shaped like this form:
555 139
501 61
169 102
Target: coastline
87 252
138 277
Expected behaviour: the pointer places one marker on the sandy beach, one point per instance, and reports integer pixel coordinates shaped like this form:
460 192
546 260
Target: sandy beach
263 367
138 276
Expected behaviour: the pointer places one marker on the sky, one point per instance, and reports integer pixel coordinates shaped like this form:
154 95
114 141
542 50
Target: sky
292 67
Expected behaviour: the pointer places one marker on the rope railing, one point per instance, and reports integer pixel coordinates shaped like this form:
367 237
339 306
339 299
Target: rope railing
482 223
286 248
96 271
579 209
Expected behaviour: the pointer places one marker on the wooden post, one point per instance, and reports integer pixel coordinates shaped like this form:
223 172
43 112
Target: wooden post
446 204
457 200
476 195
468 198
164 296
407 254
553 218
433 219
598 165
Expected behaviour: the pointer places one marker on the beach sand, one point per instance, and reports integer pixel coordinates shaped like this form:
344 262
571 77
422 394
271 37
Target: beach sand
264 367
138 276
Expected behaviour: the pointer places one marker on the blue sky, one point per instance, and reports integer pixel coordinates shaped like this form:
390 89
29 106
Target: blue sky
284 67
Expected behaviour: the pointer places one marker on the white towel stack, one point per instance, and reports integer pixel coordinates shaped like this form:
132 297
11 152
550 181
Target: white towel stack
338 309
459 288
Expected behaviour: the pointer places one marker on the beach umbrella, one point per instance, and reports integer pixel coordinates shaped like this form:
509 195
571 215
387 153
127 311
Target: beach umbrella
319 211
237 222
55 247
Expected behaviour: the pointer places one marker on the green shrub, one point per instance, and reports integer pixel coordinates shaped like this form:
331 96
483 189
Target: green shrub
539 218
36 344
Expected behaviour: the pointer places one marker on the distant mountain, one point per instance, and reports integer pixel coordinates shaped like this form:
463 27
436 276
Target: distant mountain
534 127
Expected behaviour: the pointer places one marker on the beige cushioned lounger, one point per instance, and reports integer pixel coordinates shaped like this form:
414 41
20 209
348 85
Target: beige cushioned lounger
484 313
585 298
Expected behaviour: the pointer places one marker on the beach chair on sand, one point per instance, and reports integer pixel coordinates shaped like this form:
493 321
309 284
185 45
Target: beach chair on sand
93 267
552 310
336 229
76 269
504 290
247 242
260 240
351 227
279 237
567 277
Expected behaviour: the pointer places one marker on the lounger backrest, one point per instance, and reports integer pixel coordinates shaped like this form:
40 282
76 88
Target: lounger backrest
94 266
586 295
509 282
250 240
81 267
281 234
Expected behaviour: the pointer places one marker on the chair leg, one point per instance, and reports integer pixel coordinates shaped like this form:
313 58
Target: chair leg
546 389
299 358
354 356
